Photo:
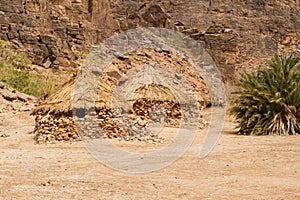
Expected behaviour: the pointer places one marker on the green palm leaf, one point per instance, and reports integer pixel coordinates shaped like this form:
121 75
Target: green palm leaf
268 102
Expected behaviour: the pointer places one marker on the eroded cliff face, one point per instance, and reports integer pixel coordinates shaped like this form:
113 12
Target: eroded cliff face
54 32
236 33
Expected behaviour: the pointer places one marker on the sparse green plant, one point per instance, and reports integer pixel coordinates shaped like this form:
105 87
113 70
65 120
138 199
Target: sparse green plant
268 102
14 72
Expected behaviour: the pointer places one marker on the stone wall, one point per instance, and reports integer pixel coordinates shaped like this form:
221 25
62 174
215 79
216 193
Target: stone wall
236 33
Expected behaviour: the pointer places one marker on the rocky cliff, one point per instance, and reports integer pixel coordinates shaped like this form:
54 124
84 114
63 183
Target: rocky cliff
53 32
236 33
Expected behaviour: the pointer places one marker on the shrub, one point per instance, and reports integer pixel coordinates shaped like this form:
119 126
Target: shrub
268 102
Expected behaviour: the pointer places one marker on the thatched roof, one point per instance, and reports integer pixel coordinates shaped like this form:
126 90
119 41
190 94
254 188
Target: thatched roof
140 82
60 102
153 92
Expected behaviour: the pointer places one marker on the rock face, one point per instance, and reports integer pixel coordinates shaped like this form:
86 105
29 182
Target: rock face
54 33
235 33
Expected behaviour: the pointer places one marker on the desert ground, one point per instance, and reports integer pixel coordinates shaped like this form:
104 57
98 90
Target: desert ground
239 167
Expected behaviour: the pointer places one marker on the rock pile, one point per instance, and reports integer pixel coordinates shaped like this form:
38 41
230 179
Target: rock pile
12 100
50 128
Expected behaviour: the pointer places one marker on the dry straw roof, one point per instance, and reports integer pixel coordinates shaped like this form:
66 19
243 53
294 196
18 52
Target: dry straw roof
60 102
152 81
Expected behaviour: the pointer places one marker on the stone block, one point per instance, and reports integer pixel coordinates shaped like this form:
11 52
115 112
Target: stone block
15 18
9 95
28 38
58 25
53 50
12 35
3 35
47 64
48 39
62 62
73 30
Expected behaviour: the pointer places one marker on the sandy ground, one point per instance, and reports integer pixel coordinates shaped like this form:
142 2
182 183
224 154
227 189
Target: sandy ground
240 167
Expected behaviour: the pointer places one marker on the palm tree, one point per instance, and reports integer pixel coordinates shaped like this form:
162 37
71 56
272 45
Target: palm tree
268 102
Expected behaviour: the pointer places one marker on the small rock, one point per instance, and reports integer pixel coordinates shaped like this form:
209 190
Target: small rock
2 85
179 23
228 30
178 76
115 73
26 97
47 64
48 39
3 135
122 80
166 48
25 108
8 95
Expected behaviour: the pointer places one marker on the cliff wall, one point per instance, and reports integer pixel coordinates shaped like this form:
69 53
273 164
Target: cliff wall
236 33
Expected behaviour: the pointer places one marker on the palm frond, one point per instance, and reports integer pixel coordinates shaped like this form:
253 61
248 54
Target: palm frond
268 102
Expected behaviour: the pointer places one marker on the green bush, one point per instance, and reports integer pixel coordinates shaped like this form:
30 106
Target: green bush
14 72
268 102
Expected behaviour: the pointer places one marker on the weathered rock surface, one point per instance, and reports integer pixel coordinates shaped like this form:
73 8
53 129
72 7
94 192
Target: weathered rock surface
236 33
47 30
